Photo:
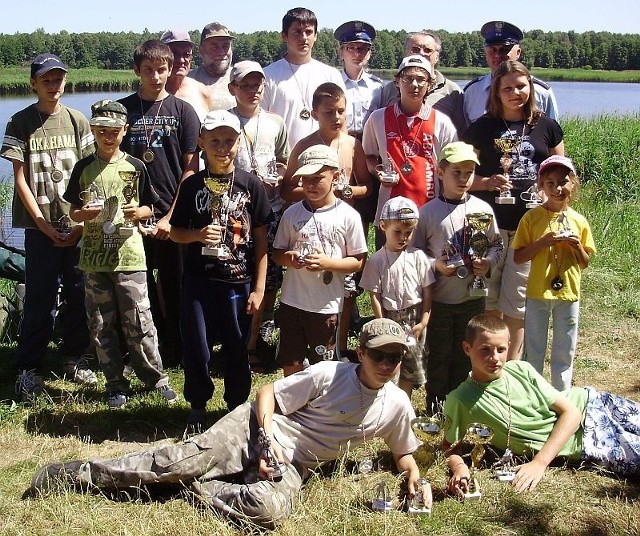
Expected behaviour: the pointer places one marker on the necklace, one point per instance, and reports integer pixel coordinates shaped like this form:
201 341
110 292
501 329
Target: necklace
148 155
108 227
557 283
343 182
249 143
408 148
304 114
366 465
56 174
327 275
507 418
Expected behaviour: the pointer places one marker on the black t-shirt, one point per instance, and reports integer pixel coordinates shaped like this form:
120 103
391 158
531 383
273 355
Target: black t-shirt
170 128
533 149
193 211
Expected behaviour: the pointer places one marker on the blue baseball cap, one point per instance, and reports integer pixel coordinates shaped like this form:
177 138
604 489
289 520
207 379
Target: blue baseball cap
499 32
45 63
355 31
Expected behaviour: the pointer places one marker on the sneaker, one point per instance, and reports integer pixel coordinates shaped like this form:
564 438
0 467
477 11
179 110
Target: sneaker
117 399
266 330
168 394
28 385
55 476
80 372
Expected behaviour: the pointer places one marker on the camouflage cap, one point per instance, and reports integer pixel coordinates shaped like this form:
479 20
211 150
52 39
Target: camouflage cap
108 113
215 29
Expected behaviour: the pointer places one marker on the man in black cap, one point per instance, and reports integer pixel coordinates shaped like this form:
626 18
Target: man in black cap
216 52
364 90
502 42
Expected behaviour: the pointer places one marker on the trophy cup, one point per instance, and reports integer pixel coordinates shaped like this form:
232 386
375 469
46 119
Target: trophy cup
382 498
503 468
343 185
270 173
454 259
92 197
422 501
479 435
506 146
386 172
147 226
217 189
64 224
531 197
269 455
129 191
429 430
478 246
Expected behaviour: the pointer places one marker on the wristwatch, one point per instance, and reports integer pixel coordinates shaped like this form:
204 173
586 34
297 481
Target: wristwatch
347 192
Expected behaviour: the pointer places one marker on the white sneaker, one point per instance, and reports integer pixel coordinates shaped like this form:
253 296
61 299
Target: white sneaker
80 372
116 399
168 394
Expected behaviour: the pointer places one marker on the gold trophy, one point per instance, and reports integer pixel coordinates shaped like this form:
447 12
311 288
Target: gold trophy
429 430
478 435
217 190
506 146
478 246
129 191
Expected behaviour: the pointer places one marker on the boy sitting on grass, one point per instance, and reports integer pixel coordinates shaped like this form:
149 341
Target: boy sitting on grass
533 419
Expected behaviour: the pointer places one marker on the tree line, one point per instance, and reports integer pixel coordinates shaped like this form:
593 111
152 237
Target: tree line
114 50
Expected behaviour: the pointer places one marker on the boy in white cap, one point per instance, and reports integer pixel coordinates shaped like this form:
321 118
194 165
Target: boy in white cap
461 253
319 240
226 209
263 151
399 278
113 258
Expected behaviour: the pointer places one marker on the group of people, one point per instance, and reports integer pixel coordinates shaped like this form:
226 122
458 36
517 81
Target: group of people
191 195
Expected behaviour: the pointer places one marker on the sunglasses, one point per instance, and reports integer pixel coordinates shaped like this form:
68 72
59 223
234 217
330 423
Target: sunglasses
378 356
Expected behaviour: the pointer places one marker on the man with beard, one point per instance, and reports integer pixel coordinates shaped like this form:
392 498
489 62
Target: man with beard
216 52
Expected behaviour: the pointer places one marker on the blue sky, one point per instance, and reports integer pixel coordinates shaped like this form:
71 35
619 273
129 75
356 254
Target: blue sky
243 16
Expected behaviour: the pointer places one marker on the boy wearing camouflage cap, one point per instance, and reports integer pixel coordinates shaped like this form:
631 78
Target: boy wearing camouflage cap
110 192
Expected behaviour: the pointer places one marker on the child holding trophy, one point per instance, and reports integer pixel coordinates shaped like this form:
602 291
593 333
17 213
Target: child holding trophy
530 417
221 213
459 233
558 242
109 191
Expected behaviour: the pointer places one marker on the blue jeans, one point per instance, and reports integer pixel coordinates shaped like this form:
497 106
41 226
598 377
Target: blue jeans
46 266
565 337
213 311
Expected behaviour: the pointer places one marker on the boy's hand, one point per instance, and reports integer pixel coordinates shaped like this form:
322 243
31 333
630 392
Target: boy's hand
211 234
296 261
70 239
528 475
90 213
317 261
162 229
498 182
442 268
130 211
459 481
254 302
417 330
481 267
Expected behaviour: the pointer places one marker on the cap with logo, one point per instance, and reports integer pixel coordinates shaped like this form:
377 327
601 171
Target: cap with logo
458 151
380 332
243 68
556 160
108 113
316 157
215 29
44 63
175 36
499 32
415 60
355 31
399 208
221 118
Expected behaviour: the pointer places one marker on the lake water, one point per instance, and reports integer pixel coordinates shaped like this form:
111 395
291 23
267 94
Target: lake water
582 99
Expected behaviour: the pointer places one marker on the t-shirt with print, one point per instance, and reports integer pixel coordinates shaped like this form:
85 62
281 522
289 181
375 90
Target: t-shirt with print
169 128
104 247
44 144
248 207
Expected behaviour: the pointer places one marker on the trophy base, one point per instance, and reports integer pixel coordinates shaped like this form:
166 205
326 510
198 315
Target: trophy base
532 205
97 203
272 180
381 505
478 292
389 178
475 496
508 200
126 231
279 469
215 251
455 263
423 511
505 476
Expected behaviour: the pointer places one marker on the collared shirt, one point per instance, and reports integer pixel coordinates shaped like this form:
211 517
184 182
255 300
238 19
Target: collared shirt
363 96
476 94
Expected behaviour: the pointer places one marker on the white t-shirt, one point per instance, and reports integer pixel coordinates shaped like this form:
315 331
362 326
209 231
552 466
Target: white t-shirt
398 276
326 410
289 89
337 231
374 142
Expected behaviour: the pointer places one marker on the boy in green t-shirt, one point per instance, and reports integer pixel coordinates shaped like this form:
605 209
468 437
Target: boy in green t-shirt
110 191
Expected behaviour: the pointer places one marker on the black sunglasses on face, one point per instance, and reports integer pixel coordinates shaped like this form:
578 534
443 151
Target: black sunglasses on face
378 356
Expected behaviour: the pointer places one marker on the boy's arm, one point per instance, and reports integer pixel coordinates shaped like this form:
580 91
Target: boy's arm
321 261
569 418
425 312
460 473
82 214
376 303
290 190
406 463
360 172
260 254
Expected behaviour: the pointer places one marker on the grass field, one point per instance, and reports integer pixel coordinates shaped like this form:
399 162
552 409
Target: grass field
75 423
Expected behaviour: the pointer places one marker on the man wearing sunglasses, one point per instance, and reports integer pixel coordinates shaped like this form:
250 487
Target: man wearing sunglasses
311 417
502 42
